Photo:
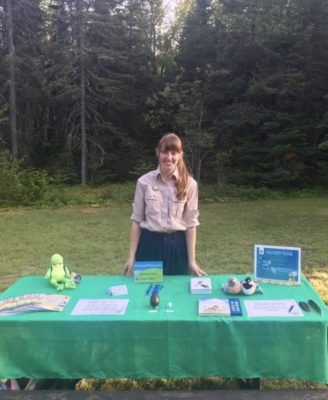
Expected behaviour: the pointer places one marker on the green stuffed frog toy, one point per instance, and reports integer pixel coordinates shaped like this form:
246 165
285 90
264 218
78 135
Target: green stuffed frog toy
59 275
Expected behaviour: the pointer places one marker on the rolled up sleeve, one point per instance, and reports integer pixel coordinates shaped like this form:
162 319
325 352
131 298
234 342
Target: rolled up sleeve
138 206
191 212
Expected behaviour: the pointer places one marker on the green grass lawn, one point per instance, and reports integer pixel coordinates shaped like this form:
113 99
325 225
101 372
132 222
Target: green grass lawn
229 231
95 240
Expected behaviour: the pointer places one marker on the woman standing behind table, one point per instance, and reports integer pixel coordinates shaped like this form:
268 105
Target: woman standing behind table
165 214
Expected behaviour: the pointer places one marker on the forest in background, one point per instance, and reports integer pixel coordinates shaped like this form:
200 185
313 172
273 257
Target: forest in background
87 87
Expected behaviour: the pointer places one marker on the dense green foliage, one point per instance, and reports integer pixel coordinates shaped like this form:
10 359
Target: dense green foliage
97 82
21 185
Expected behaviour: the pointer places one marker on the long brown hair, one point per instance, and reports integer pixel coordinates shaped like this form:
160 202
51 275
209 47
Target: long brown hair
172 142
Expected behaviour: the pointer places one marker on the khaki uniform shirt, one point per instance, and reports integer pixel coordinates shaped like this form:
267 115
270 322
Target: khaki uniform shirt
156 207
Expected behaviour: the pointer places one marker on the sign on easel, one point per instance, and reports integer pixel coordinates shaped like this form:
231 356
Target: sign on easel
148 271
277 264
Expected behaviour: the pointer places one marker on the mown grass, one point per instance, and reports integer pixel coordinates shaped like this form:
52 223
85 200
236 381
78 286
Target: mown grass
94 239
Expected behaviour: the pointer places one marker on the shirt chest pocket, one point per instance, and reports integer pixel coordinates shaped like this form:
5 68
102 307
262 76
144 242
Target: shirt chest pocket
152 203
177 208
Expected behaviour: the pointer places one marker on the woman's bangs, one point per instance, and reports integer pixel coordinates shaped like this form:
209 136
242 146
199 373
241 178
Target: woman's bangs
171 143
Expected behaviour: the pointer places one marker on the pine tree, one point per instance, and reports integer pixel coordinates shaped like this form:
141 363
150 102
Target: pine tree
22 38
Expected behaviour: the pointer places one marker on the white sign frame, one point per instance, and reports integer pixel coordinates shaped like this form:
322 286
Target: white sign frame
277 264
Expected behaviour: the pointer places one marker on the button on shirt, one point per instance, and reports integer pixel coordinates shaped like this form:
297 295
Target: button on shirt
156 207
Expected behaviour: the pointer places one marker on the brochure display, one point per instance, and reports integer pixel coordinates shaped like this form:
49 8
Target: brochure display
277 264
148 271
33 302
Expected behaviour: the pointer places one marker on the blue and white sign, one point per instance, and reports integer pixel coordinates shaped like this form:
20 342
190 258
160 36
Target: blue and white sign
277 264
148 271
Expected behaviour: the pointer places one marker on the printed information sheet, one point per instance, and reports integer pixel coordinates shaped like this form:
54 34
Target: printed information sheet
273 308
100 307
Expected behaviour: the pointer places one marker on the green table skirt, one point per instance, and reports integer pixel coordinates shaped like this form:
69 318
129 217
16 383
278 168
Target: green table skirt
144 344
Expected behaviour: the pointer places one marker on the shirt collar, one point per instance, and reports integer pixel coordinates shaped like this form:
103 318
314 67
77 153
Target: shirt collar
175 174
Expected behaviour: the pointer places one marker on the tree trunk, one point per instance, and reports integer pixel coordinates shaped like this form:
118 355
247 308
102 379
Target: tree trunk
83 129
12 83
82 88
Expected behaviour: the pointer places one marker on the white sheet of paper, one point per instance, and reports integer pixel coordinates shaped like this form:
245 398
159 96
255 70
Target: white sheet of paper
118 290
273 308
100 307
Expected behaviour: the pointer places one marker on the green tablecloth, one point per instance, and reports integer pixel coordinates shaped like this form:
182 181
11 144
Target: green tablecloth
178 344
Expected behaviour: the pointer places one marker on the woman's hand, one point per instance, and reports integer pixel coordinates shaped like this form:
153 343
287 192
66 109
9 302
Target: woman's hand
134 240
196 270
128 268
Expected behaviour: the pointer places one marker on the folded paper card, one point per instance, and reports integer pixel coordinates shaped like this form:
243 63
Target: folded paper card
118 290
200 285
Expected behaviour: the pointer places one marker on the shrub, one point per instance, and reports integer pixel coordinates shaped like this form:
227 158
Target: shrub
36 185
18 185
10 179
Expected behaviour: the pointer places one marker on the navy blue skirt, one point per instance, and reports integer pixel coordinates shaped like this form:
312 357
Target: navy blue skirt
171 248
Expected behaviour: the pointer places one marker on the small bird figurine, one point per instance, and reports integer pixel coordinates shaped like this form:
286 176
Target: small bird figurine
233 286
248 286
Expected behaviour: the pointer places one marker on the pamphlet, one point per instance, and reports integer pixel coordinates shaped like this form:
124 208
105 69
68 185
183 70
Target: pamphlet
33 302
100 307
200 285
213 307
148 271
